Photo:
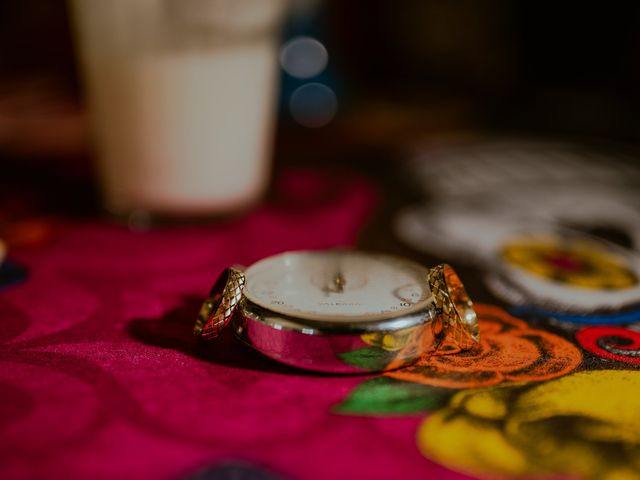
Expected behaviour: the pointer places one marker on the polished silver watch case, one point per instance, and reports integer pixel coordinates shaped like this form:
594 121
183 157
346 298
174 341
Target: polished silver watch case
447 324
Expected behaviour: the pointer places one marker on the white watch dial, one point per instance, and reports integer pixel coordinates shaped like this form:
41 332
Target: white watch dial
339 286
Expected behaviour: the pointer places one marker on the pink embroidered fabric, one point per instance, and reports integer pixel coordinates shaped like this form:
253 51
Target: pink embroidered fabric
101 377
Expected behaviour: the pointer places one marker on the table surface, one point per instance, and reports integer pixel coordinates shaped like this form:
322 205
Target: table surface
101 376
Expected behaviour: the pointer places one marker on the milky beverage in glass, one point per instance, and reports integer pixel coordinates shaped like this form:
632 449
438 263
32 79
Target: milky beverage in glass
182 99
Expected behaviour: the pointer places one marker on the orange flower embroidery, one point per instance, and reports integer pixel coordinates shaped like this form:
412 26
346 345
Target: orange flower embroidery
509 350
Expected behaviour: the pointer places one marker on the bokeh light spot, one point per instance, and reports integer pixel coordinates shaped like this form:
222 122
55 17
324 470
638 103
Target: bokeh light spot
303 57
313 105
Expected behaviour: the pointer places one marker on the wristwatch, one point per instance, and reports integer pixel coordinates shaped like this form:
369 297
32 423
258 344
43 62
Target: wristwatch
341 311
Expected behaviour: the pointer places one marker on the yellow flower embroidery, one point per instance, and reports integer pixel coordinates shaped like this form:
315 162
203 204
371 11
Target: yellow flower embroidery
585 424
574 261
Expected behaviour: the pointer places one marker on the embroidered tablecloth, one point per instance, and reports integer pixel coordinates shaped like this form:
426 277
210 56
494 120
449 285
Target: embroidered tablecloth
101 377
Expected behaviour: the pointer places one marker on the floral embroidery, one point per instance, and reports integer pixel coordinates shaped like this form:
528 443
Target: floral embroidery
509 350
613 343
587 423
571 261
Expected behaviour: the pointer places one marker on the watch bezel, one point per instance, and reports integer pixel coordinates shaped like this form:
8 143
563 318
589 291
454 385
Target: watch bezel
281 321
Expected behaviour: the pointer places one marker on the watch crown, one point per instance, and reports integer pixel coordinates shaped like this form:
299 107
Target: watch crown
218 308
453 307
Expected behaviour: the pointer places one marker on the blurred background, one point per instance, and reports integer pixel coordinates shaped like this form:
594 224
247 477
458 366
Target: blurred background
358 82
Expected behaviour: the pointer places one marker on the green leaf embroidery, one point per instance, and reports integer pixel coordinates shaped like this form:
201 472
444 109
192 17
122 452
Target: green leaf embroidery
388 396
